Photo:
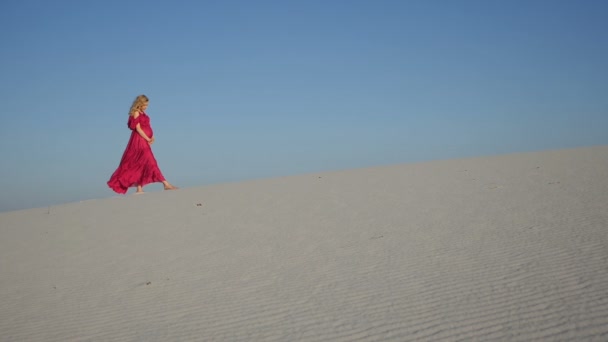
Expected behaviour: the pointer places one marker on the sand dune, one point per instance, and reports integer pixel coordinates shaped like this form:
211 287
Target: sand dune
505 248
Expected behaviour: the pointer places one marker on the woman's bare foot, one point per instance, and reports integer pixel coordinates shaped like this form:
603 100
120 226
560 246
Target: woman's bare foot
140 190
169 186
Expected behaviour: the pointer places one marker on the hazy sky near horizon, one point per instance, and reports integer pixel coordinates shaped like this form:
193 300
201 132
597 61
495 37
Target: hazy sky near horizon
252 89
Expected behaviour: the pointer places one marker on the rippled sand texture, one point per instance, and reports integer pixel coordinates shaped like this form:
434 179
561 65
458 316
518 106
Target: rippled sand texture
505 248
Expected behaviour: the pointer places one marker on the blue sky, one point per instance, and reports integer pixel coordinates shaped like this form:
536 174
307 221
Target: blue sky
255 89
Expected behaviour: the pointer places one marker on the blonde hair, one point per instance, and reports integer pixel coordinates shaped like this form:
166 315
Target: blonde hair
138 103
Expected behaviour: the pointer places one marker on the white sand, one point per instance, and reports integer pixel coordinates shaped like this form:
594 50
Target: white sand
506 248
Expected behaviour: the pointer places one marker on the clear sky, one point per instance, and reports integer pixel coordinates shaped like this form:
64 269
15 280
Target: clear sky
253 89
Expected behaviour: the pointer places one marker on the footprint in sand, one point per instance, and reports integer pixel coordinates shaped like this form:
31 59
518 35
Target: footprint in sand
493 186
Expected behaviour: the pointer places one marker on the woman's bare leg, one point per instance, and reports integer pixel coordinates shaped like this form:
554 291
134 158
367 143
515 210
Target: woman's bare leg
139 189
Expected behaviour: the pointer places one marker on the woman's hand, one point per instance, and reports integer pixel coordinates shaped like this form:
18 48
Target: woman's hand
151 141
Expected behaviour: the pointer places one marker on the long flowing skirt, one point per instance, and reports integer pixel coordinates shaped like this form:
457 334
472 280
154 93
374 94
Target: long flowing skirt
137 166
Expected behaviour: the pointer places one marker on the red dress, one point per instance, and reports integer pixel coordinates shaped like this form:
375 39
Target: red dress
138 165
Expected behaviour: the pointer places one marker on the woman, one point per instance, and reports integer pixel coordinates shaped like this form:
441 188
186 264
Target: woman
138 166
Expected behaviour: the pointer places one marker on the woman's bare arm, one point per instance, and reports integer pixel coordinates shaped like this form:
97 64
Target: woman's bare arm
142 133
